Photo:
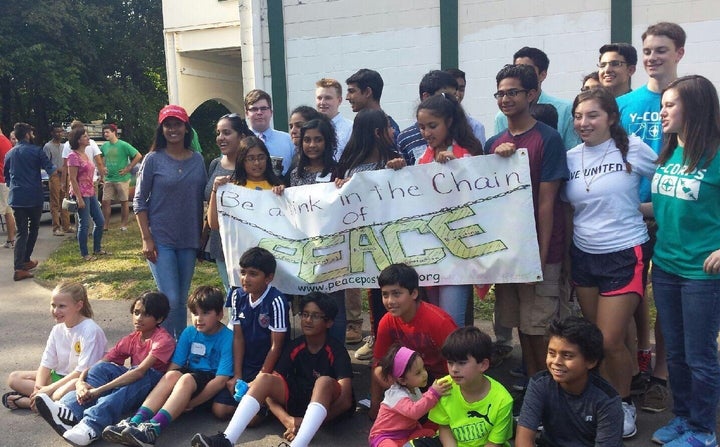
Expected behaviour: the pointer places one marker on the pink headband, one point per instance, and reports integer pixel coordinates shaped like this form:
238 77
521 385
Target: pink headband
401 361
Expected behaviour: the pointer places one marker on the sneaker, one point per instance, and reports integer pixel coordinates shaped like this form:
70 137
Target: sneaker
365 352
353 333
520 384
71 230
693 438
644 359
499 353
518 372
58 232
19 275
673 430
218 440
113 433
123 228
29 265
655 399
57 415
629 417
639 385
9 244
81 434
144 434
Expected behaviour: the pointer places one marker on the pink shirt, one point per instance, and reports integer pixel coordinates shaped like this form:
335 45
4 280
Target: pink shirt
160 345
86 170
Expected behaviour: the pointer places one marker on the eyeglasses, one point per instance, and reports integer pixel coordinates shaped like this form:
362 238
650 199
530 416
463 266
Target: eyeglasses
256 158
258 109
509 93
230 115
613 64
312 316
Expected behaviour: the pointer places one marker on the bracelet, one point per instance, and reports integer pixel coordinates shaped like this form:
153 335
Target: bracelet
214 190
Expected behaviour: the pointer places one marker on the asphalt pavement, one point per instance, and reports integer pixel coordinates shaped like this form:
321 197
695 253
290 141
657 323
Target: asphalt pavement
26 321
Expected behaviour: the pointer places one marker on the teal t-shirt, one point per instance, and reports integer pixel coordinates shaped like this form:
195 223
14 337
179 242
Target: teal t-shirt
640 116
117 156
687 210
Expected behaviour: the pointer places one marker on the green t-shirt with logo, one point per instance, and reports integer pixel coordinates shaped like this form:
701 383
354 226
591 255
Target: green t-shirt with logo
117 156
687 210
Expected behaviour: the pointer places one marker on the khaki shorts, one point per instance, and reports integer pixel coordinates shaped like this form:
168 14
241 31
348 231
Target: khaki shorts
4 192
530 307
116 191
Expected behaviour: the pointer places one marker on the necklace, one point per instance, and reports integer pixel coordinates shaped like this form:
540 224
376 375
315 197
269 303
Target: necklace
582 161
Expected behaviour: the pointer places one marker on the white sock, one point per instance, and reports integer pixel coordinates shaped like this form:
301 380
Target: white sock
313 419
246 410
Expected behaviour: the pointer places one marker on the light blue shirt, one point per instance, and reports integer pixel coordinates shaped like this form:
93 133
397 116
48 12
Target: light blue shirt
478 129
279 144
565 120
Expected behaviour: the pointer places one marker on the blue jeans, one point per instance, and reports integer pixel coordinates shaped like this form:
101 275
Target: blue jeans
690 313
110 407
222 271
337 330
173 272
91 210
451 299
28 225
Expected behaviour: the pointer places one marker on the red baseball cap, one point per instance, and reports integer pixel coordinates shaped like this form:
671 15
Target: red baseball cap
175 112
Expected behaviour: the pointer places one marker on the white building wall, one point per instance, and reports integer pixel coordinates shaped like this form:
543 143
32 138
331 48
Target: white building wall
401 40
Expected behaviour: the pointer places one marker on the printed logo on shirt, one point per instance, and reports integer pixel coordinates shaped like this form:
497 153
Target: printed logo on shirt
646 126
672 180
264 320
588 418
77 347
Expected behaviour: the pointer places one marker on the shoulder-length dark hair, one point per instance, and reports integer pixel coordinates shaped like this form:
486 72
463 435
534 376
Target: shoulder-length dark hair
326 129
240 175
701 122
607 102
446 107
159 141
74 137
238 124
369 132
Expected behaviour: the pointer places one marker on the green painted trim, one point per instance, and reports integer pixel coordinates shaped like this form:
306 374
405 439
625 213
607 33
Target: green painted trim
449 54
276 32
621 21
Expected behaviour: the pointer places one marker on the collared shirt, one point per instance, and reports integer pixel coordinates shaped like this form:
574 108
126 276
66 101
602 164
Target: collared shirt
343 129
279 144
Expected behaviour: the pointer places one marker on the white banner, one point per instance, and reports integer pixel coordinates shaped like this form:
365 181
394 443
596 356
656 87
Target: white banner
468 221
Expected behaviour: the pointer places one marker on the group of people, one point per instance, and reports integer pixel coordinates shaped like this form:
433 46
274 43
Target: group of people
619 178
74 168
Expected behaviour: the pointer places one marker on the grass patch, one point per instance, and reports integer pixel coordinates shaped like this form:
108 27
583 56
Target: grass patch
120 276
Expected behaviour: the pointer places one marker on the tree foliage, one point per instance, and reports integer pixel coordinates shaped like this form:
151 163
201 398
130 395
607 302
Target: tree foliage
83 59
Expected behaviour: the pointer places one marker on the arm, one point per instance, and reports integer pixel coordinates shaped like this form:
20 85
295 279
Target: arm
647 211
524 437
446 437
72 174
276 339
100 163
416 410
128 377
238 356
148 244
63 175
132 164
546 202
212 213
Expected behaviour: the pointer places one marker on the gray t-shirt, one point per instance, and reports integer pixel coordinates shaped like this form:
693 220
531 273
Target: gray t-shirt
593 419
54 152
171 192
215 243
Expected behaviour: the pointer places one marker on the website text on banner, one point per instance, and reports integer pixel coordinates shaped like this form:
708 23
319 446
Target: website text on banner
468 221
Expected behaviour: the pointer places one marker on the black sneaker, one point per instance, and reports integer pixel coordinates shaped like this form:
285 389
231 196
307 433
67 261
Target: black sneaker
218 440
144 434
640 384
114 433
57 415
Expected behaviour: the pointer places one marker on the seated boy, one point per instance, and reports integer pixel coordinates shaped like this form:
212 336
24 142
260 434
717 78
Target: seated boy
312 377
570 400
478 410
259 319
200 367
108 389
413 323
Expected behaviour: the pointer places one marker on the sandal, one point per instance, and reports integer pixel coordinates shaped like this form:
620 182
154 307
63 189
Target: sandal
89 258
10 403
102 253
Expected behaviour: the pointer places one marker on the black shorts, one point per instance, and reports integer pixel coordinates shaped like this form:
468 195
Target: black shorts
299 397
202 378
616 273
